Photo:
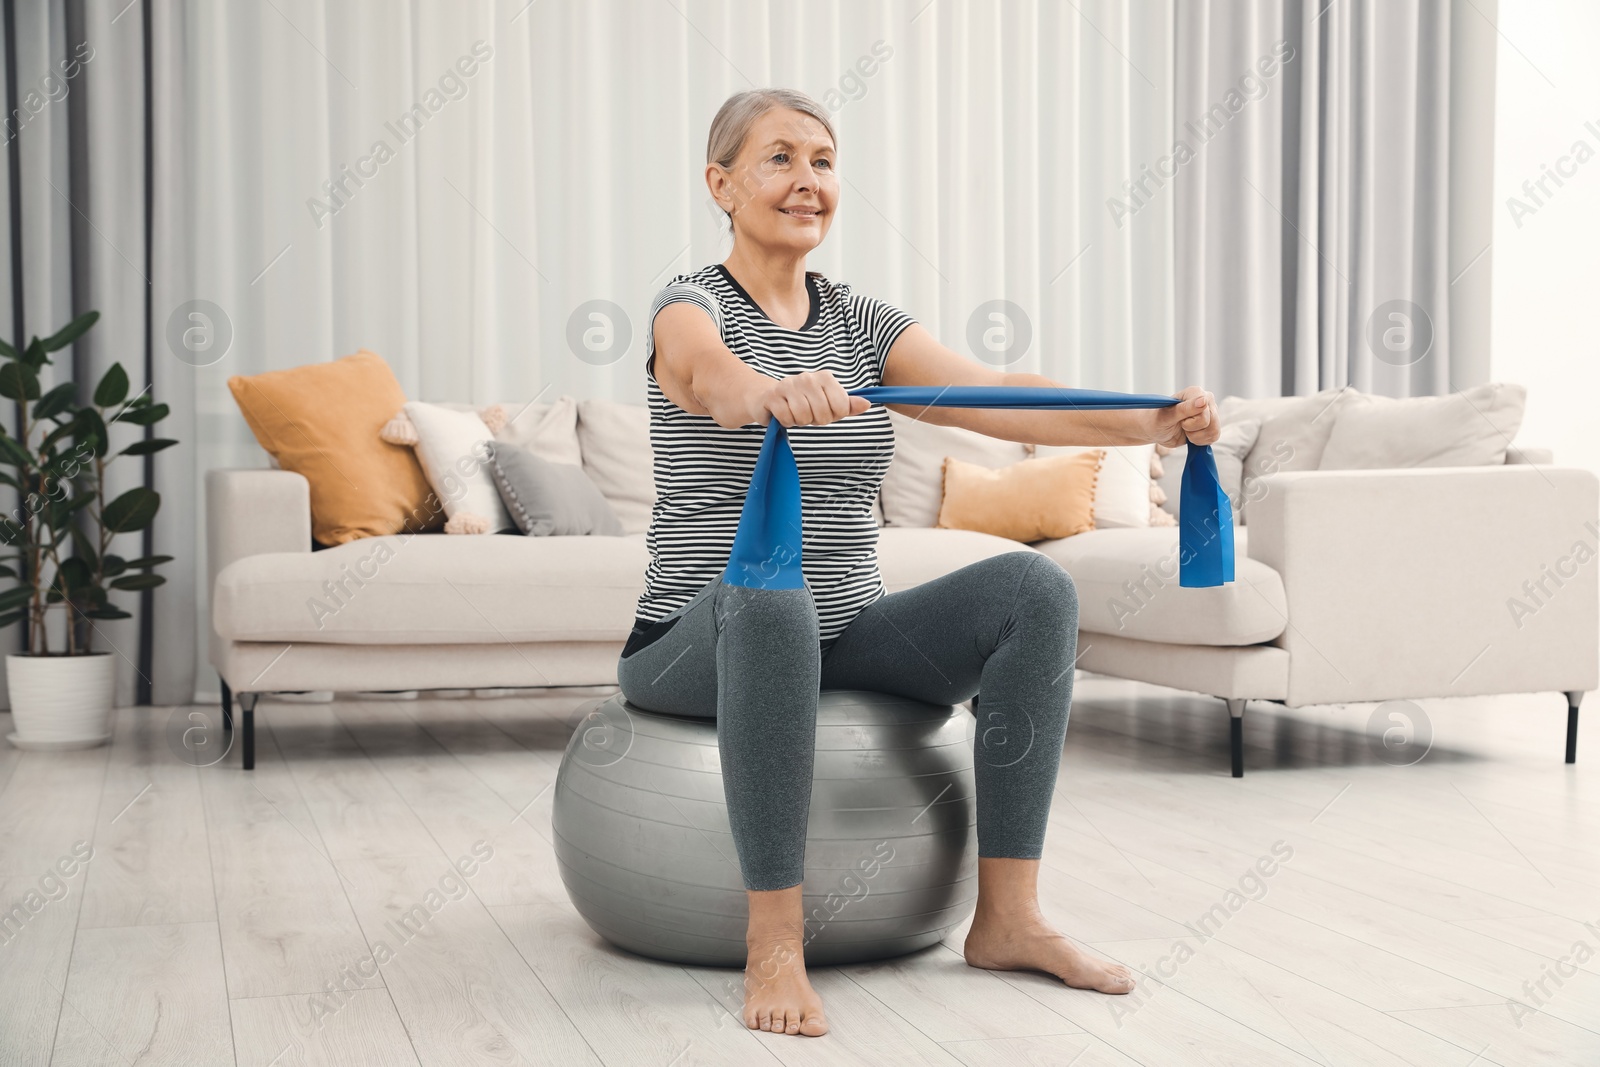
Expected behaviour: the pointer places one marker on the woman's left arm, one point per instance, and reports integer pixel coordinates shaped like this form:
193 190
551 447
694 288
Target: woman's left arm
916 358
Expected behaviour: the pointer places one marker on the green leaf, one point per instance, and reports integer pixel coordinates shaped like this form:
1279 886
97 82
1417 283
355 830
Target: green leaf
7 572
133 510
63 429
15 598
93 430
144 416
7 352
58 513
73 574
144 448
71 331
146 561
11 450
108 613
34 355
10 617
18 382
113 388
113 565
138 581
55 401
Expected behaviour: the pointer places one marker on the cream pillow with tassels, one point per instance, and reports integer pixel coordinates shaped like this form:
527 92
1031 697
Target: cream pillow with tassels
451 447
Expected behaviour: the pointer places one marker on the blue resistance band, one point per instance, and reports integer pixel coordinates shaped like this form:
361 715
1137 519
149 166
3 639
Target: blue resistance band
766 548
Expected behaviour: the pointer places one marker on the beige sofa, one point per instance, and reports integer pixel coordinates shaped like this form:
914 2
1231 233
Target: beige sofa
1352 585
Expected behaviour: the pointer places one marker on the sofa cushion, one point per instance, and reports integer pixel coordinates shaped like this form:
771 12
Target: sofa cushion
618 457
1127 583
911 555
1294 432
1467 429
436 589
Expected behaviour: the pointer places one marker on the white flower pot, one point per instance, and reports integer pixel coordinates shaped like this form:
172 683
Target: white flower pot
60 701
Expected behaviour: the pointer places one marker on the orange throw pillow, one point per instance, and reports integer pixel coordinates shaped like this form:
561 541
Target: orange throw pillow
322 421
1028 501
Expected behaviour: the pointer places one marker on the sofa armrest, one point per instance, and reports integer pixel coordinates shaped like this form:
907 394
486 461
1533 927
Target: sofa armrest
251 511
1443 581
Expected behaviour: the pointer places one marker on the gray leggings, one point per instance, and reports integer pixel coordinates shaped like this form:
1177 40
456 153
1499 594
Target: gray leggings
751 659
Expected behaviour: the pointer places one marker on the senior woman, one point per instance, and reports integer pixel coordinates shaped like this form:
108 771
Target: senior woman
759 337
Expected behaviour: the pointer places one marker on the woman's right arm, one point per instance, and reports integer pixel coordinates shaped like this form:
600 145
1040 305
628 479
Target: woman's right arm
702 376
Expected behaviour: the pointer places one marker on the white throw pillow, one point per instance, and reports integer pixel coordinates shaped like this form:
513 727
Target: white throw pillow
618 457
451 448
1122 494
548 429
1471 428
1294 432
913 486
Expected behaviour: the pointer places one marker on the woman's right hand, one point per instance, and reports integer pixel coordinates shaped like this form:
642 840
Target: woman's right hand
811 398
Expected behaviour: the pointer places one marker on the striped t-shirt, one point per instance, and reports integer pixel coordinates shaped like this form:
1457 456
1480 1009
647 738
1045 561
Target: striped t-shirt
702 470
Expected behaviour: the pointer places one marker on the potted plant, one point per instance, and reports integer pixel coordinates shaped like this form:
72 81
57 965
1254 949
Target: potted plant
56 462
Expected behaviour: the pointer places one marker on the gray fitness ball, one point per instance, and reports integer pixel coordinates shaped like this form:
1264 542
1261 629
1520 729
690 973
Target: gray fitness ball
644 848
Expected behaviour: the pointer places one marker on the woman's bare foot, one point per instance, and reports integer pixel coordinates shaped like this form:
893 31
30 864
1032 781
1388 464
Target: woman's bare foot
1009 933
777 994
1030 943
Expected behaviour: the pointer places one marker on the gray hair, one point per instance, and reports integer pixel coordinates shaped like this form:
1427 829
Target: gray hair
741 110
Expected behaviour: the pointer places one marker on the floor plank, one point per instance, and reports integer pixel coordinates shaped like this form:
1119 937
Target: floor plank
145 995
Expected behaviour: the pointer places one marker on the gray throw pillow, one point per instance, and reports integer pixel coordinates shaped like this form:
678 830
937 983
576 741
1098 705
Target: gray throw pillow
548 499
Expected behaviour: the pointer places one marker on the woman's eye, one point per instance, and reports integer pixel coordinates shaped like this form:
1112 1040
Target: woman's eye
825 163
782 155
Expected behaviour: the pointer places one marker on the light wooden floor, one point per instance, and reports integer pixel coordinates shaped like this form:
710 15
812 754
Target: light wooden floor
218 904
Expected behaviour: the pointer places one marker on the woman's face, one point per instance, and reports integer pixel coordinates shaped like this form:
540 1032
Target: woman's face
782 189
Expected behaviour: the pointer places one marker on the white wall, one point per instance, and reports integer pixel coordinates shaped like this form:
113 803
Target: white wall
1546 302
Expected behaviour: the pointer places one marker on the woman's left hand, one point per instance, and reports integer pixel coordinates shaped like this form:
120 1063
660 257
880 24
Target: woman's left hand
1193 418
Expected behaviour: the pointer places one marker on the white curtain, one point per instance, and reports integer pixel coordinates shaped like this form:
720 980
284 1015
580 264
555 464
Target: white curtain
1334 220
557 161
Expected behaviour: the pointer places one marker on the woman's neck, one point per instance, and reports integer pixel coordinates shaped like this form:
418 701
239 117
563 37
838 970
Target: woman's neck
777 284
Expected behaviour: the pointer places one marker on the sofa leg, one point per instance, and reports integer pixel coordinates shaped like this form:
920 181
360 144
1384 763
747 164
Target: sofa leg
1236 735
1574 698
227 705
247 739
